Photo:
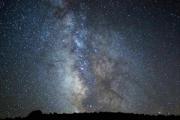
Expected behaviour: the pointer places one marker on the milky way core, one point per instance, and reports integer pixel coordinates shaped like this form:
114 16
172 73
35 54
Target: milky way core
69 56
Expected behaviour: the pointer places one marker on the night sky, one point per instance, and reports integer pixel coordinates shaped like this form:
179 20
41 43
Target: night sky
70 56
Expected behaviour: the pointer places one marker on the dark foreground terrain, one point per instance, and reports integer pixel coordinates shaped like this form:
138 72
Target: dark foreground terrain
99 116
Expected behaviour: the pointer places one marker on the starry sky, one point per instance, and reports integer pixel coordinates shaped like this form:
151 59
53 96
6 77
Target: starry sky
69 56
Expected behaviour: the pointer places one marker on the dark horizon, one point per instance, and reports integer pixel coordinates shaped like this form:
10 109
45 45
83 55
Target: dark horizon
38 114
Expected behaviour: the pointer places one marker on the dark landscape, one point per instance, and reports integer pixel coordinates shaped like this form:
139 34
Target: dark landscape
101 115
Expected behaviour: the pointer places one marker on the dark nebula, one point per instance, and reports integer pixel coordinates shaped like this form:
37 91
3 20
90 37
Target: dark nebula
69 56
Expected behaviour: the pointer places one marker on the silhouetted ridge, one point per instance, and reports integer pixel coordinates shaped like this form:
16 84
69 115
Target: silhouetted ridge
36 115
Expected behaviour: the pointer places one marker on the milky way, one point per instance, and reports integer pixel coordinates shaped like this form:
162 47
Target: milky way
69 56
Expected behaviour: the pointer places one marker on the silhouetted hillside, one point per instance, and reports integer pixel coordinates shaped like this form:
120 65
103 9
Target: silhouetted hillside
99 116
